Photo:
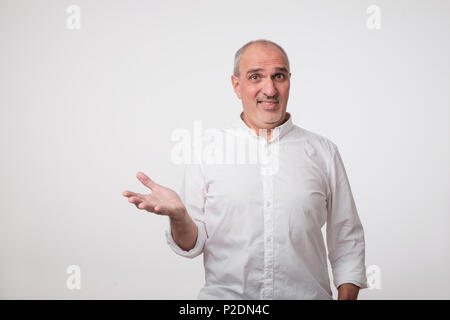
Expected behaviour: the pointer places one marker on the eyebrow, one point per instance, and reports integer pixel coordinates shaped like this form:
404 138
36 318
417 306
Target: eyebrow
282 69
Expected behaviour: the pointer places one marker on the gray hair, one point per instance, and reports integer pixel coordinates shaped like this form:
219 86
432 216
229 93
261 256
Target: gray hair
238 55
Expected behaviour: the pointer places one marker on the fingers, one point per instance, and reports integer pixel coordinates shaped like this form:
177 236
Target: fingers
140 203
142 206
145 205
146 181
135 200
129 194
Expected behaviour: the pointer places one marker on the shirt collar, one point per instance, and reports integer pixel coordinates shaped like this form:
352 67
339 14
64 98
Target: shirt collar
279 131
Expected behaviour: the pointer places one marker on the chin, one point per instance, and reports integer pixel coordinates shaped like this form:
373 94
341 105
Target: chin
270 117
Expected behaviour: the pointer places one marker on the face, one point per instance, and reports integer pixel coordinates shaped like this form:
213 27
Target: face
263 86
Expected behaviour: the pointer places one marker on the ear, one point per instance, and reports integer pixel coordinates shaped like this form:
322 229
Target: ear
236 85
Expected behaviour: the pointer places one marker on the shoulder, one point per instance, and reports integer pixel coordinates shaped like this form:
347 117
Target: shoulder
317 142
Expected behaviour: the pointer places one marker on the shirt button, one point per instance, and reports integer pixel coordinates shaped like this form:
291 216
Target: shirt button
267 203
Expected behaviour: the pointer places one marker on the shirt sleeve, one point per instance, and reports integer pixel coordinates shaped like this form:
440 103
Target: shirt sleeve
192 193
345 234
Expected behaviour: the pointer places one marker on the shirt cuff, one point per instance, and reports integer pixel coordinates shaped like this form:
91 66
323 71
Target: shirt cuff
360 282
199 244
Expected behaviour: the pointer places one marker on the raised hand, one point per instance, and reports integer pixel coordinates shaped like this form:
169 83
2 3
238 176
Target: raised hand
161 200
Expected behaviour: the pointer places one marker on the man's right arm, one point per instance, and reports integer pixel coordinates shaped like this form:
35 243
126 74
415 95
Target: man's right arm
165 201
186 236
184 231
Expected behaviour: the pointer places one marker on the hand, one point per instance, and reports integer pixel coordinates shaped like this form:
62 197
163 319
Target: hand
348 291
161 200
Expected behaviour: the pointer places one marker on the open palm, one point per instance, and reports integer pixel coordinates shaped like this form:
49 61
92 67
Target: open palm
161 200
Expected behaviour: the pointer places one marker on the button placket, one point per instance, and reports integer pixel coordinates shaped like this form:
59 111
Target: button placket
267 289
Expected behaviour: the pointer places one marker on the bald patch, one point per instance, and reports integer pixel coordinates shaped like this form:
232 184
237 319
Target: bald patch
253 60
258 47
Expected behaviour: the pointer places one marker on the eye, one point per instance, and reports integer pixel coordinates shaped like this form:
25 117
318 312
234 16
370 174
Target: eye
280 76
254 77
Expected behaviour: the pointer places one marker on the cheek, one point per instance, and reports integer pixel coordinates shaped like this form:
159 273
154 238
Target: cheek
284 91
249 93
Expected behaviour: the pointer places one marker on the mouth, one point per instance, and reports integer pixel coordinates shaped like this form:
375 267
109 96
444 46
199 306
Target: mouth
268 104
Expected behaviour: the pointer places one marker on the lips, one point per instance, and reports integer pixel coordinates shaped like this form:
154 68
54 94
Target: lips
268 105
268 102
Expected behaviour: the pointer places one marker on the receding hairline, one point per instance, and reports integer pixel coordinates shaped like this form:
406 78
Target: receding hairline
262 42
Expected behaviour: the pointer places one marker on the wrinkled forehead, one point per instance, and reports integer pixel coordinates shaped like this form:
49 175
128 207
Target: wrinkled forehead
262 56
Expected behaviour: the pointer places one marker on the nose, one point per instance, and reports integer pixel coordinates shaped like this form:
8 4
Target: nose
269 88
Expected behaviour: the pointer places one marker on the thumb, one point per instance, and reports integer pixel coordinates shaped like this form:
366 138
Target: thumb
146 181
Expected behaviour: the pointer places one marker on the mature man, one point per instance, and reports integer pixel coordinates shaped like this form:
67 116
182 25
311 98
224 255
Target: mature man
259 225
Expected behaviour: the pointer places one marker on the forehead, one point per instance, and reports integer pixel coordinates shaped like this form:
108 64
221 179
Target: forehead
262 56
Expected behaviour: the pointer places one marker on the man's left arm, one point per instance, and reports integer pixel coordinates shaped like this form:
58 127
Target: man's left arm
345 234
348 291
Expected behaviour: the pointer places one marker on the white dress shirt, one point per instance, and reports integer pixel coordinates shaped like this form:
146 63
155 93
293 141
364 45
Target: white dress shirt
259 224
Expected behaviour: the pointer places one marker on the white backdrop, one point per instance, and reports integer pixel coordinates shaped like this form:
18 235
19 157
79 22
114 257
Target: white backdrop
82 110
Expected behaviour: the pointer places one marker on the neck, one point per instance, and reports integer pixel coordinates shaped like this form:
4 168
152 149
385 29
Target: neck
261 131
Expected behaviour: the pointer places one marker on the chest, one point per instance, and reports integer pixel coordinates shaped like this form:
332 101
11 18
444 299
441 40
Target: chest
295 185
